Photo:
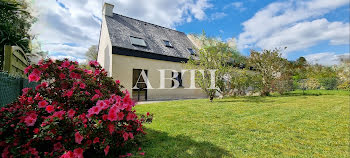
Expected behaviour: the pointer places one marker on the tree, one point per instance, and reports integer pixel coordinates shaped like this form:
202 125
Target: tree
16 22
274 70
213 55
343 72
299 72
91 54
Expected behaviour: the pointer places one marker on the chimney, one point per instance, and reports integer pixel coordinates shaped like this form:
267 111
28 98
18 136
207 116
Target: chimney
108 9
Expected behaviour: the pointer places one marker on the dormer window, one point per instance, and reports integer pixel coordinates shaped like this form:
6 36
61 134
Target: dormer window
137 41
167 43
192 52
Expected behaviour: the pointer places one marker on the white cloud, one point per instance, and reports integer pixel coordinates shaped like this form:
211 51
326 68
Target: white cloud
294 24
236 5
70 27
72 58
217 15
306 34
326 58
168 13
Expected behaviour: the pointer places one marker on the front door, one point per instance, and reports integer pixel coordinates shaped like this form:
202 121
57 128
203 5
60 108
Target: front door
139 94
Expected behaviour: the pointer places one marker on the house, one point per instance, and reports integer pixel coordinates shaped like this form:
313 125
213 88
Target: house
129 46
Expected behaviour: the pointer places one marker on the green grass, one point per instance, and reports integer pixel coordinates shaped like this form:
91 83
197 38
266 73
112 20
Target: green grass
312 125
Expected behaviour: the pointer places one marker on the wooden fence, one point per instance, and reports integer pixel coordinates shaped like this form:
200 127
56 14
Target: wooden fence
12 77
15 61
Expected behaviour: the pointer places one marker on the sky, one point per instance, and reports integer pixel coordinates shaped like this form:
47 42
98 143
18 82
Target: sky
315 29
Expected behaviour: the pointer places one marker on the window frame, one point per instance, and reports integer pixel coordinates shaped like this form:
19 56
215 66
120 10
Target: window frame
191 51
135 44
170 44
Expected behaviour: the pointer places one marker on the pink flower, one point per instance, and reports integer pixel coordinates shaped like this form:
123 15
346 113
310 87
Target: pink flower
142 153
58 146
50 108
42 104
117 82
130 116
30 100
125 136
33 77
26 70
82 86
25 91
65 64
71 68
120 116
36 72
44 84
78 152
94 110
131 135
102 104
36 130
68 154
38 97
111 128
96 96
31 119
112 115
93 63
71 113
59 114
106 150
62 76
68 93
96 140
78 137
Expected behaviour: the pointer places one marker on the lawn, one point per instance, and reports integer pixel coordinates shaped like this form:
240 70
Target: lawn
312 125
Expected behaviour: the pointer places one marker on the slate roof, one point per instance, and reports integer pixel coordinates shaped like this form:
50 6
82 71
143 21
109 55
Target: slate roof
120 29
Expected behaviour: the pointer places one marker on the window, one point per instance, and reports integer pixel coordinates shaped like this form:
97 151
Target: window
178 78
167 43
192 52
138 41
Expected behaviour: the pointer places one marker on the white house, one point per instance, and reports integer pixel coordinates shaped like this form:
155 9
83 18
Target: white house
127 46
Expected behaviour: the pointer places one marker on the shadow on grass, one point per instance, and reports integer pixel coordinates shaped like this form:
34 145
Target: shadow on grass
298 94
160 144
246 99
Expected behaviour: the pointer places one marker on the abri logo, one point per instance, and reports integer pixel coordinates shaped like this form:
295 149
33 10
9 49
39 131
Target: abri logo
176 79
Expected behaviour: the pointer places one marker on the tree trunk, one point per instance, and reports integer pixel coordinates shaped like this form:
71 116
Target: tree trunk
211 97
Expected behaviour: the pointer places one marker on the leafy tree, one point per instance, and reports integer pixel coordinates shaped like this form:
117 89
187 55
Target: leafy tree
343 72
299 72
16 22
91 54
274 70
213 55
243 80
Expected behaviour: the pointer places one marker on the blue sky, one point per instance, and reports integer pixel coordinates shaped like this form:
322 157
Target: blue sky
315 29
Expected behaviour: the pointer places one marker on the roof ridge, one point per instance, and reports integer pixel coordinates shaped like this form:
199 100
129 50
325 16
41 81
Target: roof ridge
149 23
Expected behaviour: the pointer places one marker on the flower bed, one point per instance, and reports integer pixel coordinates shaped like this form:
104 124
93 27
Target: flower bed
72 113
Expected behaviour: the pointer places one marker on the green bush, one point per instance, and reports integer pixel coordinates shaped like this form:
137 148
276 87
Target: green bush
329 83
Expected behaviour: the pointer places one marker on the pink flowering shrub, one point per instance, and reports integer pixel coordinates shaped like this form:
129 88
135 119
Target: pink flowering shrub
73 112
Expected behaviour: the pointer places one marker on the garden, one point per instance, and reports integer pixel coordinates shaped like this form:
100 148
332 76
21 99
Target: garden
264 106
315 124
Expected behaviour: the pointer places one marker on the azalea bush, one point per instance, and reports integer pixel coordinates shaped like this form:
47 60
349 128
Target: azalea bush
73 112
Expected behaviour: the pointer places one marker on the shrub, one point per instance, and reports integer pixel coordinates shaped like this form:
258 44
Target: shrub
312 83
329 83
344 86
74 112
